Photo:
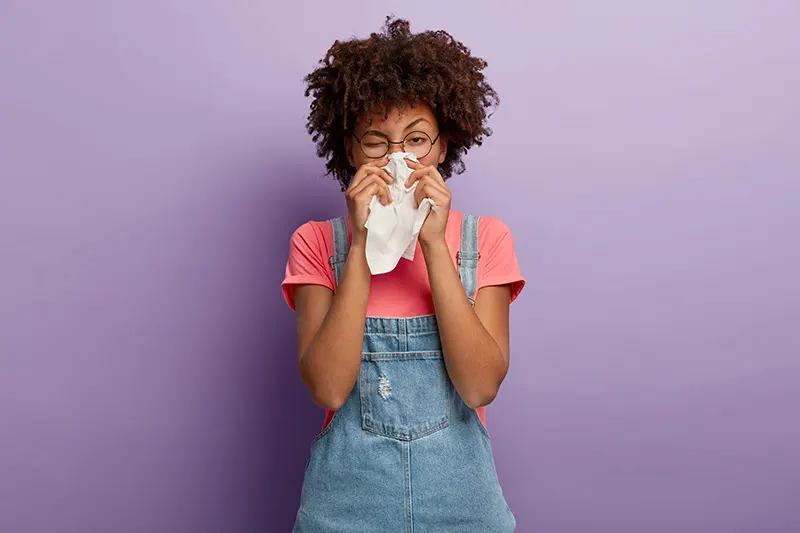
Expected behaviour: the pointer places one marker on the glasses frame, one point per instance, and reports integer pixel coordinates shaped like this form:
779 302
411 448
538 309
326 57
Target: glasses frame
401 143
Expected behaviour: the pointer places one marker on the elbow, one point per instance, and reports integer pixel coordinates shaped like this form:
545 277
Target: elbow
478 399
483 393
321 391
330 402
325 396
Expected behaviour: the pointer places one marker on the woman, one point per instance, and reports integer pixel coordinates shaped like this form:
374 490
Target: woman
404 362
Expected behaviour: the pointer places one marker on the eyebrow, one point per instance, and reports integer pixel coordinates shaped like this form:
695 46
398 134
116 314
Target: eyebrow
417 122
414 123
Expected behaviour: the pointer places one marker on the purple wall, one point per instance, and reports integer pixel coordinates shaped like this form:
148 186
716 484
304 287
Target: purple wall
153 163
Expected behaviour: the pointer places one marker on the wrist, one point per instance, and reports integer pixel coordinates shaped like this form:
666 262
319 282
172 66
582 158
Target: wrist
357 251
359 241
434 245
356 263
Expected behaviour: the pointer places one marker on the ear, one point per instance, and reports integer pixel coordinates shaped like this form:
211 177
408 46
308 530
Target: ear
443 150
348 147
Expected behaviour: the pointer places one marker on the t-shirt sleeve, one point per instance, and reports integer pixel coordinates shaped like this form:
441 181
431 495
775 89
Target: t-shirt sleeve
498 263
308 261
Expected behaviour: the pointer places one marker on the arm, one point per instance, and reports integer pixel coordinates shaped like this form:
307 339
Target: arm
330 329
474 340
330 326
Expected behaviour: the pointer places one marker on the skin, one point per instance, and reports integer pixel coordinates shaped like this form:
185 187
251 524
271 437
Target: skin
330 325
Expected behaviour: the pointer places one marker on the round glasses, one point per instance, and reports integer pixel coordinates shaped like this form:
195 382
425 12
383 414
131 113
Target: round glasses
376 145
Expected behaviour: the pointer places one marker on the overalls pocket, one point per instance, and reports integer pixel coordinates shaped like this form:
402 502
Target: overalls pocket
404 395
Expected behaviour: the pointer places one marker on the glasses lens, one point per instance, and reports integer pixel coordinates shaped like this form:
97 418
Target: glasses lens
418 143
374 145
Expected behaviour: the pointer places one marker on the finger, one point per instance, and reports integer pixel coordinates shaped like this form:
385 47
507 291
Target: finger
366 193
385 176
383 190
376 163
437 177
359 180
376 188
414 164
371 168
437 185
367 188
429 188
356 188
427 172
423 191
433 172
381 172
384 194
416 176
363 171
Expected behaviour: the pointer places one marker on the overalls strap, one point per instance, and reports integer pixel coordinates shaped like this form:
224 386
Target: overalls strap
467 256
341 246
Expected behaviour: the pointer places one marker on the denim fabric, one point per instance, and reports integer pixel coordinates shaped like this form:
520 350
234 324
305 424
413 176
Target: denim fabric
404 454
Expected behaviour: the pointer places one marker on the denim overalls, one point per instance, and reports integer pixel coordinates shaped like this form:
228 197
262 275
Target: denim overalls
404 454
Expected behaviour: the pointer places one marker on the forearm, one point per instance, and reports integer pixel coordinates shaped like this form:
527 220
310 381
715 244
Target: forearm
331 362
474 360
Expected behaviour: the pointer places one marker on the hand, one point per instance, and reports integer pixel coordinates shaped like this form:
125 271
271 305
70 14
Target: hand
370 180
430 184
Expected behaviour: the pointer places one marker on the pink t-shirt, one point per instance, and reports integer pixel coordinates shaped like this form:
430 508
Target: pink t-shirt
406 290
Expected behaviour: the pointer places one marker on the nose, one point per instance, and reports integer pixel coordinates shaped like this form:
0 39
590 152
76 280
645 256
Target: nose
393 148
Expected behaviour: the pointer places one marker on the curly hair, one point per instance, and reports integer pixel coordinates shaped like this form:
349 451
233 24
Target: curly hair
395 68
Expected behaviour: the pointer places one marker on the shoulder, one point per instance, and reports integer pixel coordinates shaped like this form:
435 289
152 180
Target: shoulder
309 250
491 232
313 236
499 264
485 223
313 229
492 228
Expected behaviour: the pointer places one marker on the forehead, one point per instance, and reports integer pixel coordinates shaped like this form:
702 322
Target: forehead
397 119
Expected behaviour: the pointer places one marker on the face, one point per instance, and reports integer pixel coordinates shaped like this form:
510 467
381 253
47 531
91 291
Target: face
401 124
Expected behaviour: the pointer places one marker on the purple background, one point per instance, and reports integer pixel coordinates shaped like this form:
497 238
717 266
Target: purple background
154 162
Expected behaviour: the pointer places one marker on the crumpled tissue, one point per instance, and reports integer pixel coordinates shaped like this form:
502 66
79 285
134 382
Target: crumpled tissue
392 229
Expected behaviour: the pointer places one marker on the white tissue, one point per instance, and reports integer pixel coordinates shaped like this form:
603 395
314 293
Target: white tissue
392 230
